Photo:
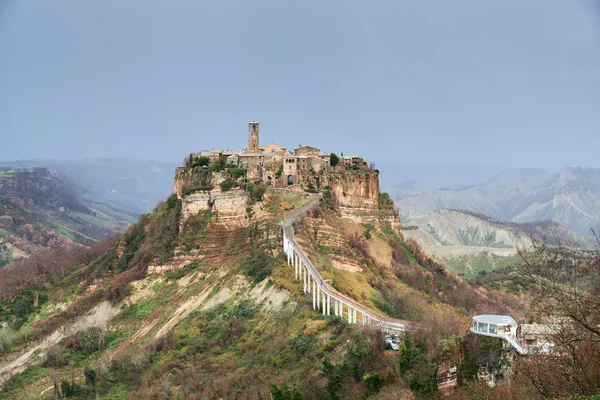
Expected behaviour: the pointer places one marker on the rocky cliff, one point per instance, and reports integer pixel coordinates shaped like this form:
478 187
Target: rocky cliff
355 194
229 208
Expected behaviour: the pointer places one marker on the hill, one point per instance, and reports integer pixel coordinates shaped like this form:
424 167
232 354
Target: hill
134 185
469 243
41 208
570 197
197 300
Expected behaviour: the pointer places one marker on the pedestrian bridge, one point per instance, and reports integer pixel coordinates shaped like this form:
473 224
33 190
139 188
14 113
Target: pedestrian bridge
500 326
325 298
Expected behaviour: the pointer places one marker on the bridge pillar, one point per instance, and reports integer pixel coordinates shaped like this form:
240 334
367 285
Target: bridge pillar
318 296
328 305
308 278
354 316
350 311
335 307
323 302
314 293
303 278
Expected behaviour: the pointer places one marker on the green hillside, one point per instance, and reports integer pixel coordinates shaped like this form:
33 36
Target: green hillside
40 208
229 320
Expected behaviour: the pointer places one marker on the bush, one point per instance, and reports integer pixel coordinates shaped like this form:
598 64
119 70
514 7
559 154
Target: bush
260 265
199 161
284 392
172 201
91 340
256 192
236 172
334 159
55 357
227 184
372 381
7 337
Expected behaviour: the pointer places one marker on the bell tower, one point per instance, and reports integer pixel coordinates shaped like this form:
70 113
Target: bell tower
253 142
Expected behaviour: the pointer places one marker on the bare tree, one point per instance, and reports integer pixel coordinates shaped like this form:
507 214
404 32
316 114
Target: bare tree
564 284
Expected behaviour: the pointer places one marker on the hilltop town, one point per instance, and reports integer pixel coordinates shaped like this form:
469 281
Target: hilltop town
225 182
274 165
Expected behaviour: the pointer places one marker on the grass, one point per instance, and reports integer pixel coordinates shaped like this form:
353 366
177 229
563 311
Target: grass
72 234
469 266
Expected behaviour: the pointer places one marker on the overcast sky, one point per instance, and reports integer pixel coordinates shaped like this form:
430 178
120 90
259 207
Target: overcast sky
511 82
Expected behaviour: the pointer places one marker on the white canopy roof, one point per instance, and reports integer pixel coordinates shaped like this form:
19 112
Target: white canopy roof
495 319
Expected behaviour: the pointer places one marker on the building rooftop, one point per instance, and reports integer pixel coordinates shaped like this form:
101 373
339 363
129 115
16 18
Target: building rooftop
495 319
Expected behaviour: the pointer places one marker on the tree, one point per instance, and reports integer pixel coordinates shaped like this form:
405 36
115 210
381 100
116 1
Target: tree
564 284
334 159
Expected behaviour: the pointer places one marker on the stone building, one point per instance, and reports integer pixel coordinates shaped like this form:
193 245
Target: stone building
274 165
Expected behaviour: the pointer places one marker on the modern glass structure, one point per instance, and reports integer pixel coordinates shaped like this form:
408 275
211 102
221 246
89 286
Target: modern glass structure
500 326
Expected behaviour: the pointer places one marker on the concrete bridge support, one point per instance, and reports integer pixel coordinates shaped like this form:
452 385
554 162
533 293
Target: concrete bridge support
322 295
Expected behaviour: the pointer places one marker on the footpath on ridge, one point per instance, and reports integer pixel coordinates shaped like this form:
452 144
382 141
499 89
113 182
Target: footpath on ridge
386 323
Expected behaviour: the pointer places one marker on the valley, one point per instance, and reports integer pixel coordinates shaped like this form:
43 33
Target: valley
569 197
42 209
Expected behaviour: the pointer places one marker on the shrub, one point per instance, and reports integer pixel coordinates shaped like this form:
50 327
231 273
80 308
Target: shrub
236 172
91 340
199 161
260 265
334 159
227 184
172 201
55 357
143 309
284 392
7 337
256 192
372 381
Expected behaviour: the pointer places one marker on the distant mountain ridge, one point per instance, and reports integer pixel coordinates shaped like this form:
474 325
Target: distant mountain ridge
571 197
469 242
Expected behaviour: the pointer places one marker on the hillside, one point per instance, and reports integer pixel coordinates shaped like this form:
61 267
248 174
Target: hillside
469 243
570 197
197 300
41 209
134 185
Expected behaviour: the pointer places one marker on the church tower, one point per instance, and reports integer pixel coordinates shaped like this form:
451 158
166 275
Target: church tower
253 136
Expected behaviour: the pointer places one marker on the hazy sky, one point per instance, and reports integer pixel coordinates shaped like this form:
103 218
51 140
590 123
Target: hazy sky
511 82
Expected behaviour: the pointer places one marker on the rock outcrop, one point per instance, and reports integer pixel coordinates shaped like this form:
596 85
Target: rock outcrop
229 208
353 189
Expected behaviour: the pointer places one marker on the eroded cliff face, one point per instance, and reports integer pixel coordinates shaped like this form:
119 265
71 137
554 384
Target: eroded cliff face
356 195
229 208
192 178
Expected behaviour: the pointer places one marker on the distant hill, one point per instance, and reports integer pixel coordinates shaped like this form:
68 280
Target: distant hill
469 242
41 208
135 185
570 197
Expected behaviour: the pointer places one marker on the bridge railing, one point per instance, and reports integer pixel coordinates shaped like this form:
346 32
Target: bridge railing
322 287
